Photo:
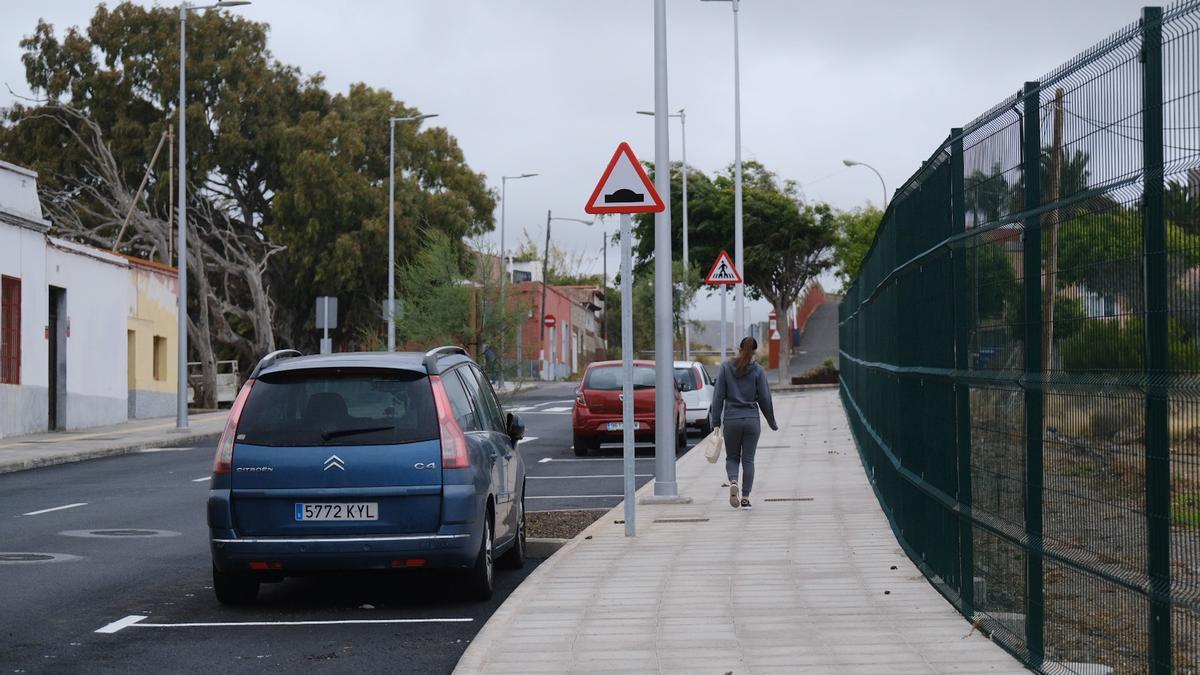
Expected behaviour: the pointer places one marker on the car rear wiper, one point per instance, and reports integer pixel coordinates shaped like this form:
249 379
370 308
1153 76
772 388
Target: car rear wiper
643 386
328 435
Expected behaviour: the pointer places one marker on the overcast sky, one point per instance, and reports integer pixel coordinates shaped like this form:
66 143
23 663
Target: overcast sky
551 86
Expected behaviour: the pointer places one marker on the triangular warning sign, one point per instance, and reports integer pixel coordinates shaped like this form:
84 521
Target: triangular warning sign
624 187
723 272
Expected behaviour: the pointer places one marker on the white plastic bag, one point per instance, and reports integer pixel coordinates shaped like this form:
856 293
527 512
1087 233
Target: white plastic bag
712 445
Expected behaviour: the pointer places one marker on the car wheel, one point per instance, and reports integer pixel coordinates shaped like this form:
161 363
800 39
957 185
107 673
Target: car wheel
681 439
581 446
482 577
705 428
234 589
514 558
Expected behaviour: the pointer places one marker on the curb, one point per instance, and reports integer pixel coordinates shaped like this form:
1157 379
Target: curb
99 453
800 387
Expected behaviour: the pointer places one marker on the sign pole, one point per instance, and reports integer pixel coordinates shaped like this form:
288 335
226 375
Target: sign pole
627 371
724 295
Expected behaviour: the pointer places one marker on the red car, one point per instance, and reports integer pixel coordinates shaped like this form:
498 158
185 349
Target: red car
597 416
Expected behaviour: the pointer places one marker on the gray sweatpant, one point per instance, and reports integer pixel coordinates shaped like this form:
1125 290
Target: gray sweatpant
741 440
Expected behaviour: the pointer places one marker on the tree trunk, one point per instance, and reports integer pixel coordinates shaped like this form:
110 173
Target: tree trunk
785 347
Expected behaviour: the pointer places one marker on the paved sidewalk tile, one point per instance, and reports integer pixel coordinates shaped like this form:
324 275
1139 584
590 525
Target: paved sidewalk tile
804 585
18 453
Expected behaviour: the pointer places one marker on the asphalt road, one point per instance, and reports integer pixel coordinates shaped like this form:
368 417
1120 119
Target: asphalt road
52 610
556 479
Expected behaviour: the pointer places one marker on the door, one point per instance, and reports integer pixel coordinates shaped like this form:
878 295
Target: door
490 430
510 450
56 367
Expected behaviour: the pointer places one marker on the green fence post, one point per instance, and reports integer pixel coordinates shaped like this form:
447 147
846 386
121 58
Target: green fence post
1033 380
1157 365
962 391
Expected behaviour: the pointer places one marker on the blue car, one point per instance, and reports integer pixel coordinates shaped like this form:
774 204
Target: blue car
365 461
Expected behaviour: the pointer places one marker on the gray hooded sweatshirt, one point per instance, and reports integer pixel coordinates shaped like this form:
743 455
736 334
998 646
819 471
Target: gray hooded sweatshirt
741 397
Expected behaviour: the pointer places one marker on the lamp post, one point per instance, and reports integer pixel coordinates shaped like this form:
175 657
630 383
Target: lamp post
546 278
181 410
850 162
504 266
682 115
391 306
740 296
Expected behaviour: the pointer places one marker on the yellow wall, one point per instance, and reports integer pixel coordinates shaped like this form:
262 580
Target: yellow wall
152 313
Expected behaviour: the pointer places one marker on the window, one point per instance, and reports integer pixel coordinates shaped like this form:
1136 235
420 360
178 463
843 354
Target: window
608 378
10 330
160 357
687 378
339 407
486 398
460 402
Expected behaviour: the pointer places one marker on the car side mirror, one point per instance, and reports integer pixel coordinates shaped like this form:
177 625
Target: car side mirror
516 428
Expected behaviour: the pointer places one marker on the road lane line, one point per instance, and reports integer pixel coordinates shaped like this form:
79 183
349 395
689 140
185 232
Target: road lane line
135 622
203 478
614 475
121 624
57 508
593 459
557 409
576 497
527 439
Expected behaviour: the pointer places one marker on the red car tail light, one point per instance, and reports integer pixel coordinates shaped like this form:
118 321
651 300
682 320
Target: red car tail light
580 399
223 462
454 441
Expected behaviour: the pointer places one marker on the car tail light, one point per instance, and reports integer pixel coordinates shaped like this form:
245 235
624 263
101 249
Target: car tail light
410 562
454 441
266 565
223 463
580 399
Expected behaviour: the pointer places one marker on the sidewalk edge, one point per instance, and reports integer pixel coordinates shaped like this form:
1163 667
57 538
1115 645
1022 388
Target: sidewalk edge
99 453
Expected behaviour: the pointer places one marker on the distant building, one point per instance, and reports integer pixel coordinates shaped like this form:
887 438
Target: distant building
87 337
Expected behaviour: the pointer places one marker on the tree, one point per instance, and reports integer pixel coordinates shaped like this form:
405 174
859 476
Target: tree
855 234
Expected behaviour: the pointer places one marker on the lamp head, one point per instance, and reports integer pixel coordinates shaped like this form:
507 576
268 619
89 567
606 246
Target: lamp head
849 162
232 3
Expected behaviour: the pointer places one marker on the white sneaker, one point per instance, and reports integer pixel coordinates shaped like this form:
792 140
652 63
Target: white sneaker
734 501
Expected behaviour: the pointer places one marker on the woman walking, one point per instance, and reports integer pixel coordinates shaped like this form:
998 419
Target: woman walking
741 393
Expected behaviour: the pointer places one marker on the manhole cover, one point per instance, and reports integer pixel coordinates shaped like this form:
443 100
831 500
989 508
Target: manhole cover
22 558
127 533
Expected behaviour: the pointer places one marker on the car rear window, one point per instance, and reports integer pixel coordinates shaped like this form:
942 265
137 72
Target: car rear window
687 379
339 407
608 378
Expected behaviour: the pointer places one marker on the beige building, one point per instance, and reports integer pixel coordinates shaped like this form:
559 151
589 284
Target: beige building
152 336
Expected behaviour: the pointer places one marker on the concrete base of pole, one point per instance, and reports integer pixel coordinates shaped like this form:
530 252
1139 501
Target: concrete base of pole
664 499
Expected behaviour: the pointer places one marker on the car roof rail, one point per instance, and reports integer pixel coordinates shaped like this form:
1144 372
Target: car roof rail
270 359
432 356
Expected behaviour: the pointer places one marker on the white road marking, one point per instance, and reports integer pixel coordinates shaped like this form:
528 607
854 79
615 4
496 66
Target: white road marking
545 459
612 475
165 449
135 621
57 508
202 478
527 439
121 623
576 497
557 409
593 459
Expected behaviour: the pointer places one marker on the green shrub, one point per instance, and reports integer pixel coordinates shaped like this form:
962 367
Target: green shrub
1107 344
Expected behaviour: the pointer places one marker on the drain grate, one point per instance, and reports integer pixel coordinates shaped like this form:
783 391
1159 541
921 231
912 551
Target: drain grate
680 520
123 533
788 499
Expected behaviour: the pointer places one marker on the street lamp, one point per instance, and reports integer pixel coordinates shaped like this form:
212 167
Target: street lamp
850 162
545 271
391 306
682 115
181 410
740 297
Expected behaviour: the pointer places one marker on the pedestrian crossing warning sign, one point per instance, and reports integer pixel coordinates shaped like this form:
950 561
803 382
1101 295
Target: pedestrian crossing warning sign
723 272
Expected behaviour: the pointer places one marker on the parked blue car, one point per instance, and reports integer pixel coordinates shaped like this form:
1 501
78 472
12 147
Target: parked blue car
365 461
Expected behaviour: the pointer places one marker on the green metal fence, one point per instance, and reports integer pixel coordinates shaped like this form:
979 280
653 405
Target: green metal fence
1020 359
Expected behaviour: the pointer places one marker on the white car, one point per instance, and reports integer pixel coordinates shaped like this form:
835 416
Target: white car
697 387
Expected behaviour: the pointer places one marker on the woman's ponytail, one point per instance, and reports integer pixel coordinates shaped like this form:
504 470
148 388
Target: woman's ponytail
745 355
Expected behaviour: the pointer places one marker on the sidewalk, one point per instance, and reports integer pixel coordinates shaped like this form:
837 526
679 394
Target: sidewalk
18 453
790 587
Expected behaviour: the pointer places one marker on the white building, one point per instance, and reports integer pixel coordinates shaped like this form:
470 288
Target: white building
66 318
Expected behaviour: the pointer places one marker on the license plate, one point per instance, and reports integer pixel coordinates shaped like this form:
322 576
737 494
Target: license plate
338 511
620 426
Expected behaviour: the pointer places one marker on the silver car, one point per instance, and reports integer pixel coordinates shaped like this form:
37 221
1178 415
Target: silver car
696 386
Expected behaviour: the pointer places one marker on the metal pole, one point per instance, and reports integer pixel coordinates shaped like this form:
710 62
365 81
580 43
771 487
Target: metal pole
391 274
604 286
504 280
724 295
687 342
181 410
664 332
627 373
740 301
